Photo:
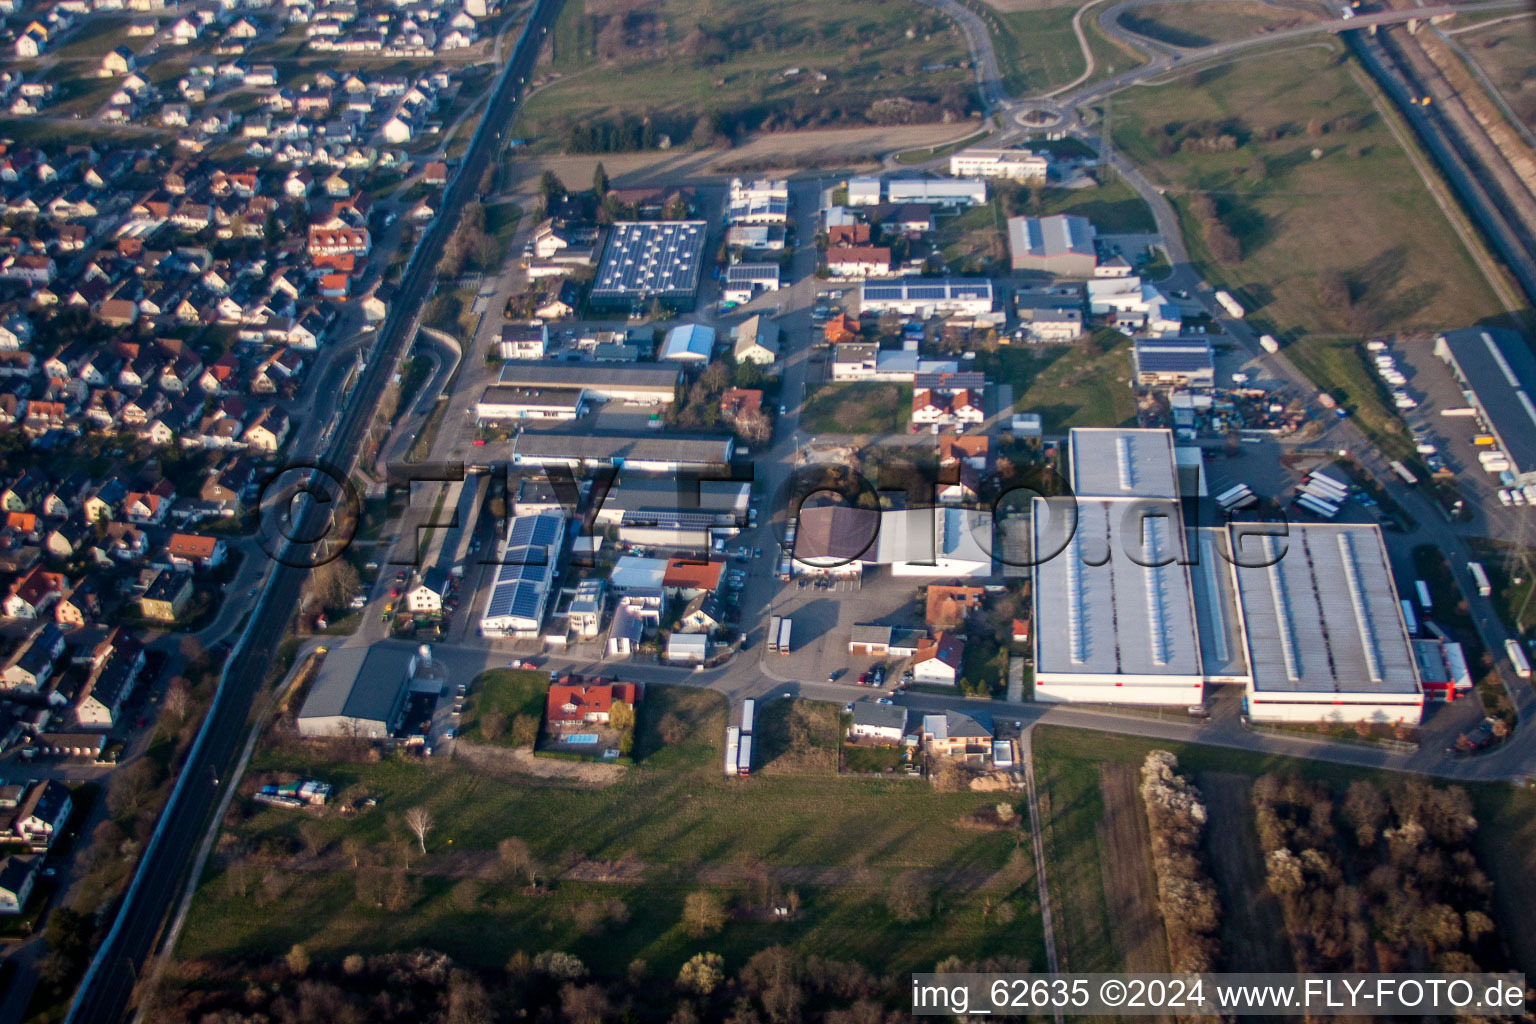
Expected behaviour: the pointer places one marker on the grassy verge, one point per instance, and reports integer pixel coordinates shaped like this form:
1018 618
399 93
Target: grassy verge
1036 49
1337 364
922 156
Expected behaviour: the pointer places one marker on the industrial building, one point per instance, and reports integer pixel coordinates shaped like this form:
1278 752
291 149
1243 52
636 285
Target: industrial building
688 343
1325 636
501 402
524 576
653 453
765 201
1061 245
362 691
743 281
1174 362
938 192
1014 164
927 297
1110 627
645 383
936 541
650 261
1498 375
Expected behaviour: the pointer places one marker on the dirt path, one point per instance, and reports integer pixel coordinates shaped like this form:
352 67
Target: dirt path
1252 930
1130 888
505 760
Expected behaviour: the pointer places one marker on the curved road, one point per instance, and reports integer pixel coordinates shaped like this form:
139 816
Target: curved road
107 988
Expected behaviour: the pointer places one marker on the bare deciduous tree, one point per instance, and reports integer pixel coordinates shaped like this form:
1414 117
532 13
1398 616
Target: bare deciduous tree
419 820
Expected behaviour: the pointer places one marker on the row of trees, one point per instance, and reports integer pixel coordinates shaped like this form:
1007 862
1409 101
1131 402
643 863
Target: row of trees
470 247
1223 245
776 985
1186 894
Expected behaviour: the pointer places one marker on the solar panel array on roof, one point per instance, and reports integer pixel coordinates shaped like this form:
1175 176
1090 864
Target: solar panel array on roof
523 579
647 259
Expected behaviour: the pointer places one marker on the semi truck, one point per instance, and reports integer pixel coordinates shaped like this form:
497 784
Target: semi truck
1232 306
1410 619
1318 506
1480 577
784 636
1407 475
748 715
744 757
1425 601
773 632
1269 343
732 750
1517 659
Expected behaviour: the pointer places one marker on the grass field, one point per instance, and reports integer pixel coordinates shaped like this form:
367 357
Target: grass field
1077 385
1069 761
1360 210
857 408
504 692
1036 48
673 818
1215 21
683 59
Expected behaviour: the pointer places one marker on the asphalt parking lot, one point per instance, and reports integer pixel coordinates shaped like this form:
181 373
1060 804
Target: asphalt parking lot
824 620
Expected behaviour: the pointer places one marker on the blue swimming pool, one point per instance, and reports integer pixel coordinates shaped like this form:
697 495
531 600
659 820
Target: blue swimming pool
582 739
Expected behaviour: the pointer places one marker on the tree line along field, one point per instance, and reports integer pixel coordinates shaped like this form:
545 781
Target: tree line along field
626 73
1348 243
1404 874
890 875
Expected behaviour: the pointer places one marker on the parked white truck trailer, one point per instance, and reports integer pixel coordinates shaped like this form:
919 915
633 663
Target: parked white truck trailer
1269 343
748 714
732 750
784 636
1480 577
1232 306
1518 659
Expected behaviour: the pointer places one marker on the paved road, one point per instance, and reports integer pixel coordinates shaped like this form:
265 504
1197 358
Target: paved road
108 985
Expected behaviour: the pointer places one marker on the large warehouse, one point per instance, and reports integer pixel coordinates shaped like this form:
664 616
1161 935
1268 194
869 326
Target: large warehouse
524 576
647 383
653 453
648 261
1061 245
504 402
1498 374
1324 630
1108 628
925 297
360 691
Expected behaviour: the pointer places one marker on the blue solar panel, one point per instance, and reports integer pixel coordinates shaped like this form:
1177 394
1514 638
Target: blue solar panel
884 291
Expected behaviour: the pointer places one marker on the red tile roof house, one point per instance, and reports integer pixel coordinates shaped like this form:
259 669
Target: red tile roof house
573 705
688 578
194 551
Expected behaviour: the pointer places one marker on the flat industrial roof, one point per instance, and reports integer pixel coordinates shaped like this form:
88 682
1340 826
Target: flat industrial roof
1115 462
1174 355
1220 629
1098 612
545 373
651 258
507 394
1498 367
1324 616
658 447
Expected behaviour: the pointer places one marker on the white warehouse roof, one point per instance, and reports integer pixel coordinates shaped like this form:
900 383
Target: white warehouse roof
1111 462
1324 617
